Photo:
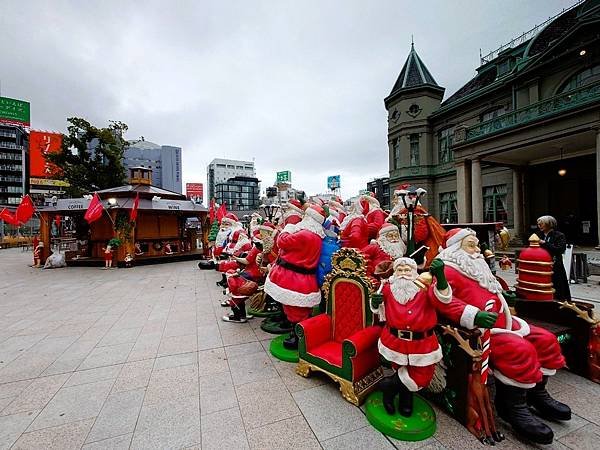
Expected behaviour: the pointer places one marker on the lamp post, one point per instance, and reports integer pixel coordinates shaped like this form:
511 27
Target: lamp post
414 197
270 210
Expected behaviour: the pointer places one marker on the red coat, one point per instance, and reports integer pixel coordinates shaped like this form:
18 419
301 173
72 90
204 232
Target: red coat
302 249
234 265
356 234
375 220
375 255
418 314
293 218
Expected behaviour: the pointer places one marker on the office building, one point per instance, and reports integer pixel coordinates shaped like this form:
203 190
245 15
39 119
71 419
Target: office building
221 170
164 160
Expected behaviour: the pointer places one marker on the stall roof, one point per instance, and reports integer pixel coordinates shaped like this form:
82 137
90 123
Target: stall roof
70 205
142 189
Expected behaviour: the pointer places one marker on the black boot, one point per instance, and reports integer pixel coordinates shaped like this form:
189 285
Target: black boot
512 407
222 282
235 316
206 265
291 343
405 403
545 405
390 387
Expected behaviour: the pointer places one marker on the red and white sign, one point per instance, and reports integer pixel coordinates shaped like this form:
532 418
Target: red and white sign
194 190
40 144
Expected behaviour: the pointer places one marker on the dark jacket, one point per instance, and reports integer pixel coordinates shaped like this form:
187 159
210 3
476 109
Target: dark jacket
556 244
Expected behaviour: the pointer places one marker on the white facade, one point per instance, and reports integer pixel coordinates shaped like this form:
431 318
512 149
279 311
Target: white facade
220 170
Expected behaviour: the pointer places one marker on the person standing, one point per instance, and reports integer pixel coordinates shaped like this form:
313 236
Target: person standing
555 243
108 256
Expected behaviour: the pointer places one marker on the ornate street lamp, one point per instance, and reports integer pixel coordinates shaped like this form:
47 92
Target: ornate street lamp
411 199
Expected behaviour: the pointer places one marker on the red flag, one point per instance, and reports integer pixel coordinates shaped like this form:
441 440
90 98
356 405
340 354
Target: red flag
25 210
211 211
94 211
133 213
221 212
57 220
8 217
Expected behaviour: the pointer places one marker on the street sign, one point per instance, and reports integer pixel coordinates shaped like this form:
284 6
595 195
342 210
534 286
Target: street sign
333 182
284 177
14 112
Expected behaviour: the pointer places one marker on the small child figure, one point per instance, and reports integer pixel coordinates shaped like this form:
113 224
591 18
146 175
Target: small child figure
505 263
108 256
168 250
37 254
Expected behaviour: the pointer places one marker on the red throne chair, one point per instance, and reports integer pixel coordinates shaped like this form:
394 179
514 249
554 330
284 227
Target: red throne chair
342 342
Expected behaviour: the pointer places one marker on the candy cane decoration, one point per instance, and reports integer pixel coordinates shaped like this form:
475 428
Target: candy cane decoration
485 343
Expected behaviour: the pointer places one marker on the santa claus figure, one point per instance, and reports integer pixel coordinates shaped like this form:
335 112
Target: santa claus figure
228 225
373 213
388 247
521 356
408 339
238 246
354 230
336 208
292 212
292 281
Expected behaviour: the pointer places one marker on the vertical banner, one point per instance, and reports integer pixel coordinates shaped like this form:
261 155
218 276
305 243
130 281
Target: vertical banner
41 143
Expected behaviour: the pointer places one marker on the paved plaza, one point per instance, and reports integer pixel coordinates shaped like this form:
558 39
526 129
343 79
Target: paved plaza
139 358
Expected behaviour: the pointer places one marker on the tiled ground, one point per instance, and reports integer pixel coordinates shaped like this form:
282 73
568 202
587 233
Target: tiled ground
139 358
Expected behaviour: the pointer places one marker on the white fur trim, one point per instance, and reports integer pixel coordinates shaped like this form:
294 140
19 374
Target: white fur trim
547 372
407 380
379 311
377 208
441 297
509 381
467 319
315 215
459 236
387 227
521 332
294 208
291 298
413 359
508 315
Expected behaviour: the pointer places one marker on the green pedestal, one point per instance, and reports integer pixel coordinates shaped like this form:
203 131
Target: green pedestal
270 325
280 352
261 313
419 426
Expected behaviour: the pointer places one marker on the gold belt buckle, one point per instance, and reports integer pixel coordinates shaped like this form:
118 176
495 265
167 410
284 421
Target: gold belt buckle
403 334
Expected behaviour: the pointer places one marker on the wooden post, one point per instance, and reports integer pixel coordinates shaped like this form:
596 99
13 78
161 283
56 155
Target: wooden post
45 236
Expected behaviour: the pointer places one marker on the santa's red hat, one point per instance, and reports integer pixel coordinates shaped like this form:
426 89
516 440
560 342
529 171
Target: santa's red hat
230 219
256 236
386 228
316 212
294 205
267 226
456 235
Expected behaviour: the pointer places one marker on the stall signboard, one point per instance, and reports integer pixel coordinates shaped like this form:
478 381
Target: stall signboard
333 182
194 191
41 143
47 182
14 112
284 177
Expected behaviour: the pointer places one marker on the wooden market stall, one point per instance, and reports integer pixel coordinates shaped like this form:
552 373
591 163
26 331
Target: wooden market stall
159 234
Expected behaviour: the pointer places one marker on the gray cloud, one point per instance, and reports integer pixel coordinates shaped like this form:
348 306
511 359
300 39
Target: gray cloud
296 85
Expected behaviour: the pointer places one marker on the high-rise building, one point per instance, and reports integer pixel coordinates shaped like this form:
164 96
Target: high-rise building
239 193
14 171
164 160
221 170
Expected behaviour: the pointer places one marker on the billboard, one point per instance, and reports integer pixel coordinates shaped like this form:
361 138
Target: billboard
40 144
14 112
284 177
194 191
333 182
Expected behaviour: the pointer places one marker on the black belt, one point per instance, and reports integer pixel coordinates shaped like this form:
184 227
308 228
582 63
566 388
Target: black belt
294 268
410 335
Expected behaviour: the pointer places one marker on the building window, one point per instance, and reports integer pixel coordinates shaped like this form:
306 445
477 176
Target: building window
414 149
396 152
494 204
448 210
445 145
493 113
583 78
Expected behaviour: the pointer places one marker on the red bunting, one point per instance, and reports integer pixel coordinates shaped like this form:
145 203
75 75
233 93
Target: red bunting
94 211
25 210
8 217
134 210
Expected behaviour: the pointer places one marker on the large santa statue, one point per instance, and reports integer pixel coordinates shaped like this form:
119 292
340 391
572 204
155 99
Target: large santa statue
293 281
521 356
388 247
354 230
292 212
229 223
408 339
373 213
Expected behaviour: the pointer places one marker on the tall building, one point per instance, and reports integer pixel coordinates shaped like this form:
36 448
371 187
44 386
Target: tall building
381 188
164 160
239 193
14 170
220 170
519 140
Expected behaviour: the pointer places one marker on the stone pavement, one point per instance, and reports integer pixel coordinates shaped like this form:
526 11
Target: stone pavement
139 358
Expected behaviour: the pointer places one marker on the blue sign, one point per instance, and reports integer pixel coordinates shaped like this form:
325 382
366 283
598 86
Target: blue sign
333 182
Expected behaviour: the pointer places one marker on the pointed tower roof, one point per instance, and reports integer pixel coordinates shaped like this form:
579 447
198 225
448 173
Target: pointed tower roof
414 76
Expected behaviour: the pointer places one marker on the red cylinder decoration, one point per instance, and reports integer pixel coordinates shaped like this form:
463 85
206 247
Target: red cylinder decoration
534 280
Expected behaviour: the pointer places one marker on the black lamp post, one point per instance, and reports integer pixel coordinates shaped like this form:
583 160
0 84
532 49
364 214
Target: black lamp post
414 197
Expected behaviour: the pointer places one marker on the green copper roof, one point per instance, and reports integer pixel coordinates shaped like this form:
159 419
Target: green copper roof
414 73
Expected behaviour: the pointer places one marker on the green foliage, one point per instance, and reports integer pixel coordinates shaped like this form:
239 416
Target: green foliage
123 226
214 229
115 242
91 158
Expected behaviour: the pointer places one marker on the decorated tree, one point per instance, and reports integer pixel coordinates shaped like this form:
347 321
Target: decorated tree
214 229
91 158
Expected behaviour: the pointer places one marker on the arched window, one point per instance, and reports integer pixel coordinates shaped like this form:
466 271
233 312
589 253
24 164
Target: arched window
583 78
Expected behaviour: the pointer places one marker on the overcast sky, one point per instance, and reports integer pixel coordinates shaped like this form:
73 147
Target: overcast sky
293 85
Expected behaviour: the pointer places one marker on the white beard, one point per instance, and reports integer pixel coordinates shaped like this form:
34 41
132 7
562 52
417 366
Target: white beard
221 237
394 249
403 289
307 223
472 266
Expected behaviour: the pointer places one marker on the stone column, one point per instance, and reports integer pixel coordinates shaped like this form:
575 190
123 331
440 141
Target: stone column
463 192
598 181
476 191
517 188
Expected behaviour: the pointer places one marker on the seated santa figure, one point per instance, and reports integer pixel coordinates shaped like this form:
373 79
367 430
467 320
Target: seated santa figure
229 223
239 246
374 215
354 230
387 247
408 339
